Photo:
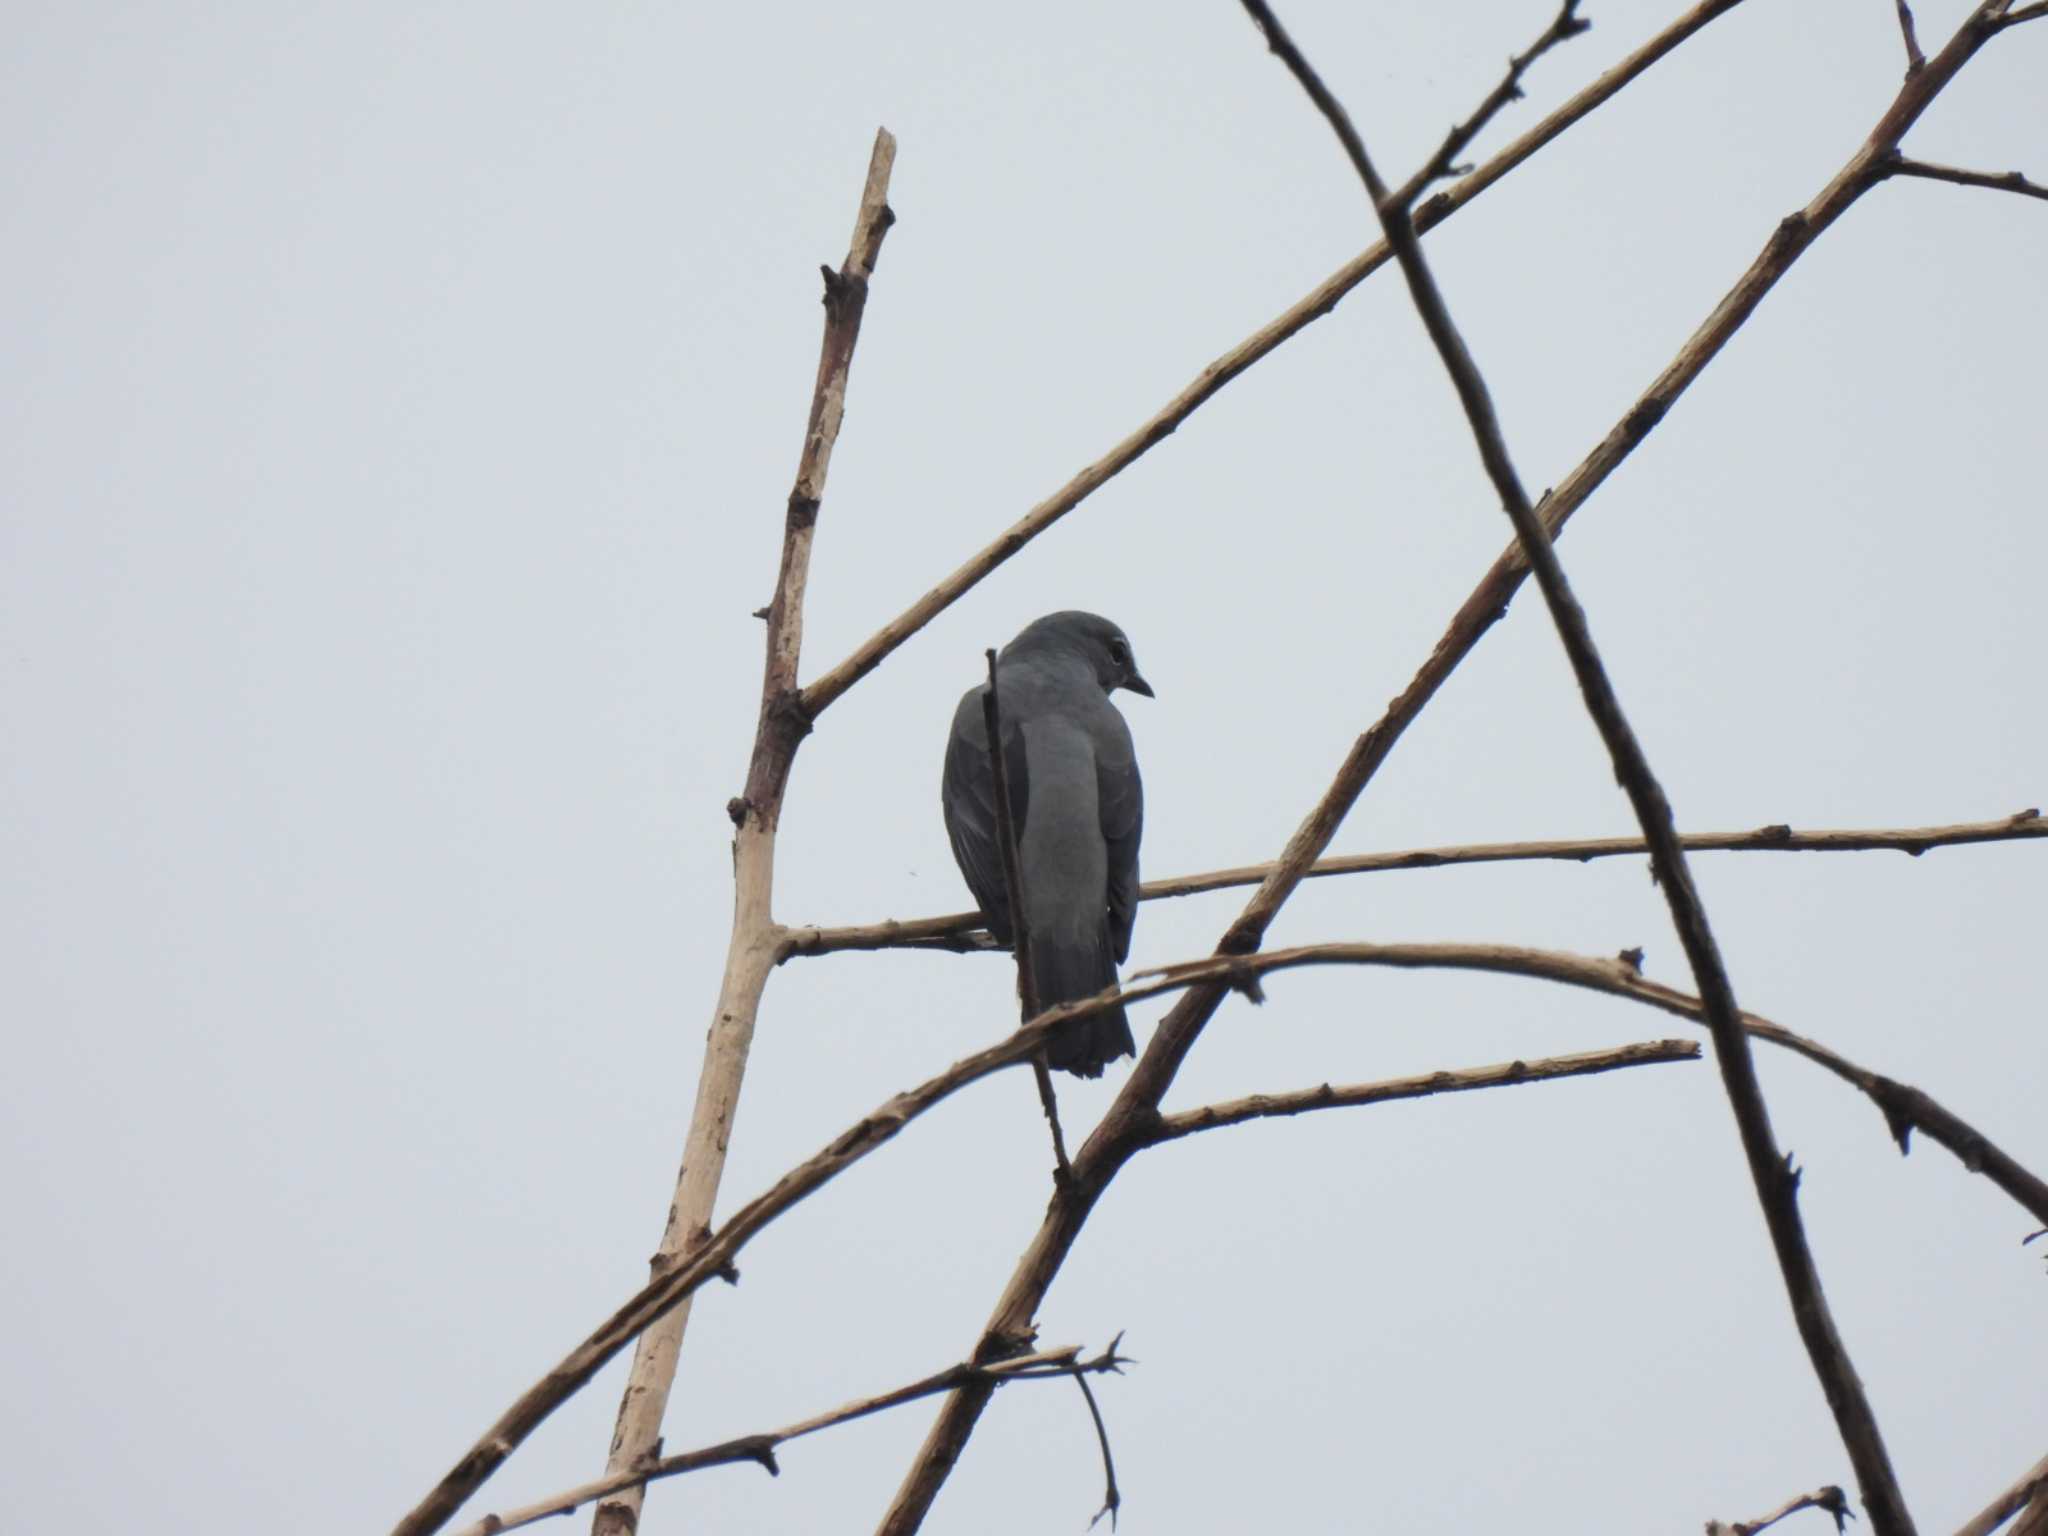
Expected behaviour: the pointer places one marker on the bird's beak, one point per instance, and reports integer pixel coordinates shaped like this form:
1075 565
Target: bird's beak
1138 684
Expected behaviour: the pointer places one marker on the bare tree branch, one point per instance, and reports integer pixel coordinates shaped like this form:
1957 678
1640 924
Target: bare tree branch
1093 1168
877 648
1109 1146
1566 24
1906 1109
2032 12
1829 1498
2000 181
713 1259
962 932
1776 1188
2033 1483
1915 59
755 943
1507 1074
1043 1365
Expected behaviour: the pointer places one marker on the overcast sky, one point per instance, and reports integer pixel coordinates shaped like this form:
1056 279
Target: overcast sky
399 406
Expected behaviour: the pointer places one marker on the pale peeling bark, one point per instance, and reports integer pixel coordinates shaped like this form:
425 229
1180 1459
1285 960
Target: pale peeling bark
756 943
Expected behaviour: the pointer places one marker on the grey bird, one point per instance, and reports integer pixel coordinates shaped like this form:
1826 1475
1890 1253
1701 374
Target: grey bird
1078 806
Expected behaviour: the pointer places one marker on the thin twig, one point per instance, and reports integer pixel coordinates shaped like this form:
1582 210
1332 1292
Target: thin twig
1997 181
1829 1498
1041 1365
962 932
1776 1187
754 946
1566 24
1013 889
2032 1482
2032 12
1915 59
1109 1147
1112 1501
1319 301
1507 1074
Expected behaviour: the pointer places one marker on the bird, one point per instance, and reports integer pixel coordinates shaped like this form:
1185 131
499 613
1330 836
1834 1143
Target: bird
1078 806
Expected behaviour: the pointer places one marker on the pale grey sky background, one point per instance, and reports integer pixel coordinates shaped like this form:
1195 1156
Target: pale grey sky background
398 411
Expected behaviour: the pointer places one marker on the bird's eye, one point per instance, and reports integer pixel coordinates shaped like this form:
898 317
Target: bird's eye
1119 653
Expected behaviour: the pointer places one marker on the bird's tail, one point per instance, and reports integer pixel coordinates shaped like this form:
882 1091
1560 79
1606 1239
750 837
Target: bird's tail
1065 973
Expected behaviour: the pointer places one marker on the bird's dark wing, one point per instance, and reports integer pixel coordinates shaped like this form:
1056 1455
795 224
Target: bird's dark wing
1120 798
967 795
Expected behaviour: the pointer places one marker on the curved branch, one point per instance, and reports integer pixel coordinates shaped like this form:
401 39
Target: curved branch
1905 1108
962 932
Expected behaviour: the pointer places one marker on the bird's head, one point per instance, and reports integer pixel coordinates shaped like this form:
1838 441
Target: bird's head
1105 648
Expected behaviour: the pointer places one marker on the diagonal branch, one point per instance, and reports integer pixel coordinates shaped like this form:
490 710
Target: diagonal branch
2033 1485
877 648
1997 181
1507 1074
1043 1365
962 932
1566 24
1775 1186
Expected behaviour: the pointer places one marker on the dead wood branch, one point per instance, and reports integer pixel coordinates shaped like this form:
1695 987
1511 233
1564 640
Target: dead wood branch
755 941
962 932
877 648
1829 1498
1042 1365
1507 1074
